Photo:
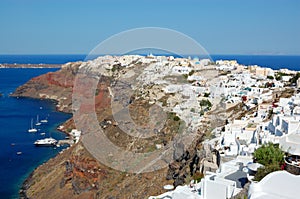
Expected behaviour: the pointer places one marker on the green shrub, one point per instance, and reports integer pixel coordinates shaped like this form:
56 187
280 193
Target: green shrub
198 176
176 118
206 94
191 73
205 103
185 76
271 156
263 171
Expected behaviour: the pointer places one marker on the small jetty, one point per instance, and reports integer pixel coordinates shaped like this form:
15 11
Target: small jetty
63 142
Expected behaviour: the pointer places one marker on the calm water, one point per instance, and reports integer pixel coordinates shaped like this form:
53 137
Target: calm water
15 117
40 59
271 61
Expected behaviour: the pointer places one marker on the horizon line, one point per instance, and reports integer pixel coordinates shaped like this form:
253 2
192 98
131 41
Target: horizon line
158 54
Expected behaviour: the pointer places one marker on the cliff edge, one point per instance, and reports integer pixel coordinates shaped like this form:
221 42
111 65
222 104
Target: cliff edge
75 173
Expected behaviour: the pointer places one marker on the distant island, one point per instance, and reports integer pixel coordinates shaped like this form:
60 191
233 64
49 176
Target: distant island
30 65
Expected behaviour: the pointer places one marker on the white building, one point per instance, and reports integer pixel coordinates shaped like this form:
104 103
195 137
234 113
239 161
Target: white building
76 134
237 137
276 185
290 143
227 182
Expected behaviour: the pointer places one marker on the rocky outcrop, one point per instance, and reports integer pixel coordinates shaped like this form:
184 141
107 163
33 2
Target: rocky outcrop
55 86
198 159
76 174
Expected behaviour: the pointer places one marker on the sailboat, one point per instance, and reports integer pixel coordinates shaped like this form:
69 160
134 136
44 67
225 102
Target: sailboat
37 121
44 120
32 130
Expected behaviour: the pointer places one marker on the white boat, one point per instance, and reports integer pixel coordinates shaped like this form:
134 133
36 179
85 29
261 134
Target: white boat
43 133
44 121
46 142
37 121
32 130
19 153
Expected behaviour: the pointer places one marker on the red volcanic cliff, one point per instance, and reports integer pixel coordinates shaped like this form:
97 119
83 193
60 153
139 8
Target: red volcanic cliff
53 85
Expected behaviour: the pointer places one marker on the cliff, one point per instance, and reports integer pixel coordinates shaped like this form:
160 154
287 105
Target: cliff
52 86
75 173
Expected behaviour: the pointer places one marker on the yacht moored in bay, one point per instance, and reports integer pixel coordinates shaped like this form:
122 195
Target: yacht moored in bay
46 142
32 130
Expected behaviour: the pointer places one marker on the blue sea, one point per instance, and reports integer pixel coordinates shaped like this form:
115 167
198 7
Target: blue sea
275 62
272 61
16 113
15 119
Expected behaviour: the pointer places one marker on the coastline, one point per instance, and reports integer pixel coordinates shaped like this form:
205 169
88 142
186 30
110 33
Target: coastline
16 114
26 182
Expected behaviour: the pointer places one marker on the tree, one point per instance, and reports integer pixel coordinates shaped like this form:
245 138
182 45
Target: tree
271 156
294 79
205 103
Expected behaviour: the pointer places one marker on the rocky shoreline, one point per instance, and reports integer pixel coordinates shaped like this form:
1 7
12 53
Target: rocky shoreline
45 83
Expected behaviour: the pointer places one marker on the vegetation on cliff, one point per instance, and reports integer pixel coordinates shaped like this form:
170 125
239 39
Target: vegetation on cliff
271 156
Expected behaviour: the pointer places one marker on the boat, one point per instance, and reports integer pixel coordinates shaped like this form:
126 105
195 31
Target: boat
19 153
32 130
43 133
37 121
44 121
46 142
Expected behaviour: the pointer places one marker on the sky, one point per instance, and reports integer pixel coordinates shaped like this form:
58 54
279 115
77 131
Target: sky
220 26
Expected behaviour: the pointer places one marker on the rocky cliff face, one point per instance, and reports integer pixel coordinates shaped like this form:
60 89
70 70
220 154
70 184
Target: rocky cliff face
77 174
53 86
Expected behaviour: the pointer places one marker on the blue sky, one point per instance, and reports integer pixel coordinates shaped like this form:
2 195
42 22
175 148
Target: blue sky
220 26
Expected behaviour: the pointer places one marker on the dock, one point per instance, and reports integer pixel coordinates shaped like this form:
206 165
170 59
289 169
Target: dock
63 142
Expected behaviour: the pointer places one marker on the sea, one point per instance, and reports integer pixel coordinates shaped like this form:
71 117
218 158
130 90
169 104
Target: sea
15 120
275 62
16 113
